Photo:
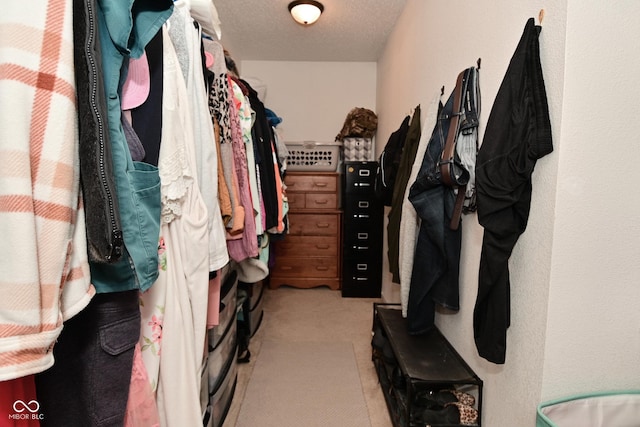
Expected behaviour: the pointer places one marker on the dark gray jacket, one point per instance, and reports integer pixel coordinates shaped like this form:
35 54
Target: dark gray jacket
104 232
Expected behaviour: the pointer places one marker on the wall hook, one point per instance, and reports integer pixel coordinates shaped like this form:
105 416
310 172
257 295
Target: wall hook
541 16
442 91
479 61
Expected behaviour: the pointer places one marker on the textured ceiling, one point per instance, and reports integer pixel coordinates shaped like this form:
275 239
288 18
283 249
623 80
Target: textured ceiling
348 30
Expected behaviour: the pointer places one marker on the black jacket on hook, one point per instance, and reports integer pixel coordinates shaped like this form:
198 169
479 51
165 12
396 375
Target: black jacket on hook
517 134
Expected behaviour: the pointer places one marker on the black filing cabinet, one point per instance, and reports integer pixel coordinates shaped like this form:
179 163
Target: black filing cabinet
362 232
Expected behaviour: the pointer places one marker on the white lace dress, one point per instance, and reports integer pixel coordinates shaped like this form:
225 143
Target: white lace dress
175 309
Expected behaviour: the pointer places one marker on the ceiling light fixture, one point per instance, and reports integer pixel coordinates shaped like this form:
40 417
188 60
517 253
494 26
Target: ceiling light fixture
306 12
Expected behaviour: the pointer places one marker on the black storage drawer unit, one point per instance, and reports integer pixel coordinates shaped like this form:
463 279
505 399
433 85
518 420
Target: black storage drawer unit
220 374
414 368
252 311
228 311
362 232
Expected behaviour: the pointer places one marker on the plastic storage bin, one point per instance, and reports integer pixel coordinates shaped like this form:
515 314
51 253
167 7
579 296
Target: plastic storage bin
358 149
604 409
313 156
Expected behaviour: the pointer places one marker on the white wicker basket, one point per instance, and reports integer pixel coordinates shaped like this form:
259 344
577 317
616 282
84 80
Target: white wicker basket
313 156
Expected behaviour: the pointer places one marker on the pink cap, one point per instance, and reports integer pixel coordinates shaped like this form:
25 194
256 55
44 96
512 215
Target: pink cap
136 87
209 59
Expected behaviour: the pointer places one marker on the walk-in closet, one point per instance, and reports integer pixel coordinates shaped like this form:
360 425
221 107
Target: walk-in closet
311 213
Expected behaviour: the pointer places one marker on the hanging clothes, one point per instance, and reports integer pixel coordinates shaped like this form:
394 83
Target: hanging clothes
224 196
505 163
410 221
104 231
122 34
142 410
187 40
246 117
247 246
219 105
146 118
186 278
395 214
89 382
263 140
434 277
389 163
45 272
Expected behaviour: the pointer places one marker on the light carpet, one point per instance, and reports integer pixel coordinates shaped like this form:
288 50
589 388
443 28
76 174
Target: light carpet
304 384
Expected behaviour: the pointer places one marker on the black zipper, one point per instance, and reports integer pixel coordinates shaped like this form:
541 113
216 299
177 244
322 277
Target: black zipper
116 242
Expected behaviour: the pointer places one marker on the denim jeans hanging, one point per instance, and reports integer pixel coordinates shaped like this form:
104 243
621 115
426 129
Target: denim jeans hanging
435 274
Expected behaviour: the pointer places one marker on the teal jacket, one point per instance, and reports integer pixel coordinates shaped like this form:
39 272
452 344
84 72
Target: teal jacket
125 27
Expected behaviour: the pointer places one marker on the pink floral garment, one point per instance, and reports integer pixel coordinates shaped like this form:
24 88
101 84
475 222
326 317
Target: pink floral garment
152 305
141 407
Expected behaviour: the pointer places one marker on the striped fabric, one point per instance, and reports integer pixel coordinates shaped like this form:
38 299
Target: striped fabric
44 274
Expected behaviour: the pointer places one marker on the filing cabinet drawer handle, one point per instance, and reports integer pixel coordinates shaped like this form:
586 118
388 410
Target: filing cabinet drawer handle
360 248
322 246
363 204
361 279
320 184
364 172
361 267
322 268
361 184
322 202
322 224
363 236
361 216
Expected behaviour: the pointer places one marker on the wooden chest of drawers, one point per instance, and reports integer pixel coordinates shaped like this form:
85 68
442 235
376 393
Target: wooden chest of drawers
310 253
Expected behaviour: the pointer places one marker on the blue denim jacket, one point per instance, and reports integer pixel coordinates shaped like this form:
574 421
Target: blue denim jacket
125 28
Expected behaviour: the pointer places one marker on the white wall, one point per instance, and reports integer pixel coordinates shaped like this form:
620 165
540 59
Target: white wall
313 98
575 295
593 334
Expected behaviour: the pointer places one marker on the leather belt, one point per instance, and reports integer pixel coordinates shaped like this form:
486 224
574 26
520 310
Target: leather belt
452 173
